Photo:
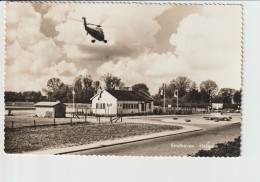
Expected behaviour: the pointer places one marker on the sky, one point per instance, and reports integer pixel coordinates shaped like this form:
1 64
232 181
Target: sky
147 43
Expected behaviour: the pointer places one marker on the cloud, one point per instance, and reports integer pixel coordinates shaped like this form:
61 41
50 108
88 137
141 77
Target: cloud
169 22
153 69
211 41
31 57
149 43
131 35
64 70
208 46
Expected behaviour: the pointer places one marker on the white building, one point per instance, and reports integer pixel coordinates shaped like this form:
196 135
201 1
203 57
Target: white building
217 106
115 102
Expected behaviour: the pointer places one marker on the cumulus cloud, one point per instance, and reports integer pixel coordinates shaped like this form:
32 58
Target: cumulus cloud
208 46
149 43
210 41
31 57
132 31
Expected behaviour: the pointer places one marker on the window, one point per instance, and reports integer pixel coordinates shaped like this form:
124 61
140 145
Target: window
96 105
150 106
104 105
123 106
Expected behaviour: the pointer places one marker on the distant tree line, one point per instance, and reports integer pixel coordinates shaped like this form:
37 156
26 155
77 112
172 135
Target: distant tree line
85 88
27 96
189 95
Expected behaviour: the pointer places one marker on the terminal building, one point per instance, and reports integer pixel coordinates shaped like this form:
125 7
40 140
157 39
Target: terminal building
116 102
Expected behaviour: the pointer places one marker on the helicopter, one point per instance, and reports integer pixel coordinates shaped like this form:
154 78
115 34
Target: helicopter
96 32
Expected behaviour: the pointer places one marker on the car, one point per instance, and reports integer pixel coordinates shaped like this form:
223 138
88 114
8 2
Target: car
218 116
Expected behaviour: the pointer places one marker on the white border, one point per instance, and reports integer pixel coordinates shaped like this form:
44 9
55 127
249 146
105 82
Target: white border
25 168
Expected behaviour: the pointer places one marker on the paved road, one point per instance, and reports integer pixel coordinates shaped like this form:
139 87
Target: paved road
176 145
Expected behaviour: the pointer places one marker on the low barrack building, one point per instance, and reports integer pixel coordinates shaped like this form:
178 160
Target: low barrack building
50 109
116 102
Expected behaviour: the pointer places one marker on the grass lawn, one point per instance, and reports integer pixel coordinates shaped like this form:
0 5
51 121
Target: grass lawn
46 137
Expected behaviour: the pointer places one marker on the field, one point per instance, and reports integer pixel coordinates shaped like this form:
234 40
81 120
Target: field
27 139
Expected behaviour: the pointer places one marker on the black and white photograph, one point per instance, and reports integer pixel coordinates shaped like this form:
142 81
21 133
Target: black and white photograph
123 79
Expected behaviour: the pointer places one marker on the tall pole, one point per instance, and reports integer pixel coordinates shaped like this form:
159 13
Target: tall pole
73 93
177 100
164 98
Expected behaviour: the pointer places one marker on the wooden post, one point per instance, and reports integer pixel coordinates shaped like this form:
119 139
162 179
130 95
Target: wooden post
34 124
70 121
54 122
121 117
12 124
85 117
99 119
111 119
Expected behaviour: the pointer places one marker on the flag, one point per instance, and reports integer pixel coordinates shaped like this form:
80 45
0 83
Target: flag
161 91
176 93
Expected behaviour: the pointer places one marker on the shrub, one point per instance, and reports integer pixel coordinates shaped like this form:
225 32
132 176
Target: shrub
228 149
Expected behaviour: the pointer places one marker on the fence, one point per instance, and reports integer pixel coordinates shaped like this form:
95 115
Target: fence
174 111
14 123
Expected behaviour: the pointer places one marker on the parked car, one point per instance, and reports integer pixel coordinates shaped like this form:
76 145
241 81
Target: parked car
218 116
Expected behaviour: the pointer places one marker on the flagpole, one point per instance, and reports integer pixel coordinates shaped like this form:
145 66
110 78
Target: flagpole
164 98
177 100
73 93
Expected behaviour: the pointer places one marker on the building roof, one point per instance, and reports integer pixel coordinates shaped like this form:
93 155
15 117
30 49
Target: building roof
47 104
125 95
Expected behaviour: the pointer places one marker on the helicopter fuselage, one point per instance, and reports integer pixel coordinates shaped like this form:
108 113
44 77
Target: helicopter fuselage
96 33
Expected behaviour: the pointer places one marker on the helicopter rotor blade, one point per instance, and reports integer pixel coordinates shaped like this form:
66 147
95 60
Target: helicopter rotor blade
103 19
93 24
107 26
74 19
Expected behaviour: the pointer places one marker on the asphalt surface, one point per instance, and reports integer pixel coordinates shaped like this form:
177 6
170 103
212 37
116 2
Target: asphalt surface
175 145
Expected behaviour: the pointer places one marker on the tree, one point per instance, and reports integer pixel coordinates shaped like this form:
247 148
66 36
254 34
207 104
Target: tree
183 84
237 97
83 87
53 85
226 95
141 86
204 96
64 93
170 89
209 85
193 95
112 81
96 86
